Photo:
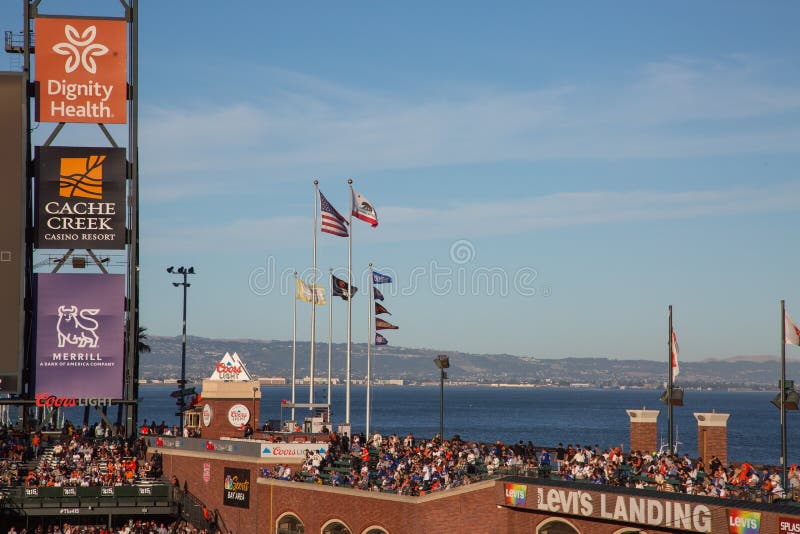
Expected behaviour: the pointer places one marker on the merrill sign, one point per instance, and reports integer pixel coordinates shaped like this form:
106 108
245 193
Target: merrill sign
79 361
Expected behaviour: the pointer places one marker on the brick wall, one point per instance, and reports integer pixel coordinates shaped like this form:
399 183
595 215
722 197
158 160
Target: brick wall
220 426
644 430
712 436
475 509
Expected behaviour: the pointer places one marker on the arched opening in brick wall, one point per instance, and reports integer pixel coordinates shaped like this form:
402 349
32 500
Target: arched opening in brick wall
334 526
289 523
557 526
629 530
375 530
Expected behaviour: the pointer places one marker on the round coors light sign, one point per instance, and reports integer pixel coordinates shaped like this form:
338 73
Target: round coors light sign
207 414
238 415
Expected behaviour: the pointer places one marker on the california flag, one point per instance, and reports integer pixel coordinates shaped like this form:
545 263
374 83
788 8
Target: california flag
362 209
792 332
675 350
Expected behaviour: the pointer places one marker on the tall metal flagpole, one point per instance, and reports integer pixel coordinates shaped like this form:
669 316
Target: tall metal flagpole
782 394
313 300
669 384
330 331
294 343
349 302
369 349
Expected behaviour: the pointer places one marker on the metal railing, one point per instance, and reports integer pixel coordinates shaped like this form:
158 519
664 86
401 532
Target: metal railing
190 509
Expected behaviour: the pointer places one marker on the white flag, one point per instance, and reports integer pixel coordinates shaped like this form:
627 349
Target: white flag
792 332
675 350
309 293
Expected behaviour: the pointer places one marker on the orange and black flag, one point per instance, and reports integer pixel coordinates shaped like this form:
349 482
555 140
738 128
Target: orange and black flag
380 324
342 288
379 309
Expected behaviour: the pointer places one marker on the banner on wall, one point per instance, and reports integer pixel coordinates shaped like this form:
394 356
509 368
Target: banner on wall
81 70
80 197
236 488
79 335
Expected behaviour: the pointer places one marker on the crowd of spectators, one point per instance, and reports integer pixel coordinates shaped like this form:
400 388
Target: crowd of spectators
94 455
405 466
98 455
130 527
88 461
164 429
409 466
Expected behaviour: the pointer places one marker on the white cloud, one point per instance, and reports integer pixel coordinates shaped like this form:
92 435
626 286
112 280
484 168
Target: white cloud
307 127
479 219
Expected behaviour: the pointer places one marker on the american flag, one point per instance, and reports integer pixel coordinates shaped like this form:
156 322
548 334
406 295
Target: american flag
332 220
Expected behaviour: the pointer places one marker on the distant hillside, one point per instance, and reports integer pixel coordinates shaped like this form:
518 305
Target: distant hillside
274 358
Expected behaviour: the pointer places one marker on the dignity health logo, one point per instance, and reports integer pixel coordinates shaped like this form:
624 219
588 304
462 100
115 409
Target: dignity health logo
80 49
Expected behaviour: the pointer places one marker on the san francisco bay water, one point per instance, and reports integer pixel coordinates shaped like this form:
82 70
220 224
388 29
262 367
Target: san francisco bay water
545 416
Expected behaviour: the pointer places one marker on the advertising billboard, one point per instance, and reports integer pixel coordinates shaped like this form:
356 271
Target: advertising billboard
788 525
743 521
237 488
81 70
79 335
12 227
80 197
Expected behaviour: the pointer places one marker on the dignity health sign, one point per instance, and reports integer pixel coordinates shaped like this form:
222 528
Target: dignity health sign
81 70
79 335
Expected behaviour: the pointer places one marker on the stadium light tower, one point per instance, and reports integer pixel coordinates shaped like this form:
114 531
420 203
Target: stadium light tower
442 362
183 271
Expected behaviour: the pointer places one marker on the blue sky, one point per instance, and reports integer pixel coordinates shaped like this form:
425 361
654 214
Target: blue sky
549 176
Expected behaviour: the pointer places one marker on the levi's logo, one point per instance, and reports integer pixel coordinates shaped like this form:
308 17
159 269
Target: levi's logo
81 177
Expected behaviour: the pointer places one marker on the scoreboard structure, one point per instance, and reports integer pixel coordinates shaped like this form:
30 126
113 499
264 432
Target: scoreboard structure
65 208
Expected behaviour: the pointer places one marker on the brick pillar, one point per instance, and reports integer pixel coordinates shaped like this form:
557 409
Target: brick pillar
225 403
643 430
712 436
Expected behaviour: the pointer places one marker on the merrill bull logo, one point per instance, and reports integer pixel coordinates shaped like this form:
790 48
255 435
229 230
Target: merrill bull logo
76 327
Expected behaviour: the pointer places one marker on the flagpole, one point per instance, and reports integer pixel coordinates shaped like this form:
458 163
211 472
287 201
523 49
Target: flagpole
349 305
369 348
782 394
294 344
330 334
669 384
313 300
